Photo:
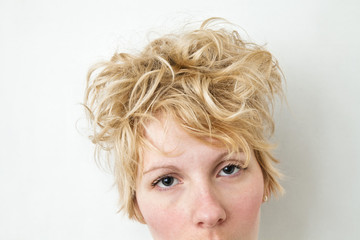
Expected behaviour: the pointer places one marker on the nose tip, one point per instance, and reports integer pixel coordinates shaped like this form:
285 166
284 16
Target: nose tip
210 220
209 212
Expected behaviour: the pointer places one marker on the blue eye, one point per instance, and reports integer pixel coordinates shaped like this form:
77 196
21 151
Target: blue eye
165 182
230 169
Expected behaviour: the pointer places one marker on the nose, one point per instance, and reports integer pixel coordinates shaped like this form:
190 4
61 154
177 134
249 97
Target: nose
208 210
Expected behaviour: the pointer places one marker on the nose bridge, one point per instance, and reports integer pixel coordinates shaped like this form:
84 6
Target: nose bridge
208 209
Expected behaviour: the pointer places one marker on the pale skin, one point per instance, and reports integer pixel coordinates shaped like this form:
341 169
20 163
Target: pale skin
199 191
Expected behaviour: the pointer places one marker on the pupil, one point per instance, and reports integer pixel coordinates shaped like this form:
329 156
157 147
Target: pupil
167 181
229 169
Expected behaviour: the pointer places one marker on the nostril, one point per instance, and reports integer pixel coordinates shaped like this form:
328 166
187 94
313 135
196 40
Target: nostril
210 224
211 217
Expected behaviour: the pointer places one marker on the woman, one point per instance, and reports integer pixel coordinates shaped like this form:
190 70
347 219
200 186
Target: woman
187 121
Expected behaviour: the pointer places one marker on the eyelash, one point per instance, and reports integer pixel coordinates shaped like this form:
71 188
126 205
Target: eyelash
156 181
159 179
234 165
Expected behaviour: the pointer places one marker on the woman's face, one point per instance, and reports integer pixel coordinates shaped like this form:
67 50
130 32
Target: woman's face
198 191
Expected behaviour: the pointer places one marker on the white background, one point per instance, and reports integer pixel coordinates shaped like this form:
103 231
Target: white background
50 187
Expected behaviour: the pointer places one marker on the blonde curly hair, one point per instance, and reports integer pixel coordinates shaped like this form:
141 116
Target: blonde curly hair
210 80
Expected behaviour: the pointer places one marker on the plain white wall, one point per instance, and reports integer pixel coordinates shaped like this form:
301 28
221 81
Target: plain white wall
50 187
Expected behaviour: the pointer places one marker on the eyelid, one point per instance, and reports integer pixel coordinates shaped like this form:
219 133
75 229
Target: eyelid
158 179
232 162
238 162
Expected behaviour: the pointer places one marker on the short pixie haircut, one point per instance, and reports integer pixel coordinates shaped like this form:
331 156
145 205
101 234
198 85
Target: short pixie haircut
212 82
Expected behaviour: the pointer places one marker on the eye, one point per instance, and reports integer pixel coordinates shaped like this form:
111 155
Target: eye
230 169
165 182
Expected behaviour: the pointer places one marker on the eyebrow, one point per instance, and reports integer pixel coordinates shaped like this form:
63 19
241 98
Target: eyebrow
174 168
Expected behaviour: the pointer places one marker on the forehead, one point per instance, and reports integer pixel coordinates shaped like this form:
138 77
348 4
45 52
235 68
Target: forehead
167 135
164 133
169 141
169 145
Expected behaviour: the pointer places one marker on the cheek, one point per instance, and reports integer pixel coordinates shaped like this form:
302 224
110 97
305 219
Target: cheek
246 210
246 204
162 219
